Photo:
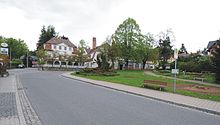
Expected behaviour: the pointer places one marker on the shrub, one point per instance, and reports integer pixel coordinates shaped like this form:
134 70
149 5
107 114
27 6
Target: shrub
88 70
16 62
96 72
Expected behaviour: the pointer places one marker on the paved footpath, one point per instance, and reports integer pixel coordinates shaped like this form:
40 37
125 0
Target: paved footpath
190 102
15 108
9 102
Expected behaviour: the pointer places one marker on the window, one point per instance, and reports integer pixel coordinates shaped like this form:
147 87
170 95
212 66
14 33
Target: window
64 48
70 49
54 47
60 47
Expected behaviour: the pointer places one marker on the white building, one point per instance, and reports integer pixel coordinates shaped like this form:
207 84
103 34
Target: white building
60 46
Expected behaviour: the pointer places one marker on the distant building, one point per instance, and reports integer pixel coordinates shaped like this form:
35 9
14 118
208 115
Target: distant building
61 46
211 47
92 54
95 51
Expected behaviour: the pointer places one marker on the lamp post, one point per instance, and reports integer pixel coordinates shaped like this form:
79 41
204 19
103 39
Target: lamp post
9 57
27 59
175 71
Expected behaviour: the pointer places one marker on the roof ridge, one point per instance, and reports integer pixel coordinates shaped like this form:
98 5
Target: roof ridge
58 40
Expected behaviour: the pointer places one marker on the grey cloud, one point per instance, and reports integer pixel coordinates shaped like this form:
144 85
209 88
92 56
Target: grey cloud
78 11
72 16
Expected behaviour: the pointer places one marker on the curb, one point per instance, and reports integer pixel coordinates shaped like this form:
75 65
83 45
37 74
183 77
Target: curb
27 116
154 98
19 106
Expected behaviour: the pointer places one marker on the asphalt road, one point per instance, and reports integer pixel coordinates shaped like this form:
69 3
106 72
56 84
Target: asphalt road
62 101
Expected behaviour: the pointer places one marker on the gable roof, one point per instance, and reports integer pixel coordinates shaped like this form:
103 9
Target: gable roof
58 40
211 44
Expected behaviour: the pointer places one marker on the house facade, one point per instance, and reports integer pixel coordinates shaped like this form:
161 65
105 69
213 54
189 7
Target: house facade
60 46
58 50
92 54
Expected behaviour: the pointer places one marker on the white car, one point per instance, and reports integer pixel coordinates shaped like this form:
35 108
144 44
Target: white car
20 66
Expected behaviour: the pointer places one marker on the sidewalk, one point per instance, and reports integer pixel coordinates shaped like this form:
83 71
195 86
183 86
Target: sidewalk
10 107
190 102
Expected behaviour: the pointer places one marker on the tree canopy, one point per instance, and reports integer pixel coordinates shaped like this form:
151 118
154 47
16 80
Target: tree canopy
145 51
165 47
41 54
17 47
46 34
81 55
127 36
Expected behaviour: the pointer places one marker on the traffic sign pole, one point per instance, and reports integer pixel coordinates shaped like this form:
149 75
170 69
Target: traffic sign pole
175 57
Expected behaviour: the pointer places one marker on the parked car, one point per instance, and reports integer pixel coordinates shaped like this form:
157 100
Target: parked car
20 66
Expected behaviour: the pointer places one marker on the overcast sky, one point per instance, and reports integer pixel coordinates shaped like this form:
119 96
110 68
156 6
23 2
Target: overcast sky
194 22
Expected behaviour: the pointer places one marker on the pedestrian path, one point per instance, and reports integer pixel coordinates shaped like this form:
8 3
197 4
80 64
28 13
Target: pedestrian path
15 108
195 103
8 103
186 80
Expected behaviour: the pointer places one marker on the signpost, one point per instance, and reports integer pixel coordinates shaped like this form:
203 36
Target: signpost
4 59
4 45
175 71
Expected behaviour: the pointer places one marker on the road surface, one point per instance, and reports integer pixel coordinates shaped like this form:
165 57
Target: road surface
62 101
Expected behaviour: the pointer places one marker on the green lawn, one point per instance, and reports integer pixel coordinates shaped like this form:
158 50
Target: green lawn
209 77
136 78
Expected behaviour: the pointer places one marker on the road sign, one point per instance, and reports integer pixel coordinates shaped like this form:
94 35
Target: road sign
4 44
175 71
175 53
4 51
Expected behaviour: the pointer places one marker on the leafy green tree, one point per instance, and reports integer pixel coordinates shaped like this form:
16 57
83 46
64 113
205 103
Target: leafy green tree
81 55
103 57
46 34
145 51
41 54
17 48
195 63
165 48
126 37
111 50
216 61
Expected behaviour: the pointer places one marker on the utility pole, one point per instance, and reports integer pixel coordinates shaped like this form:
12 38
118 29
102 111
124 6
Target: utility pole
10 57
174 85
27 59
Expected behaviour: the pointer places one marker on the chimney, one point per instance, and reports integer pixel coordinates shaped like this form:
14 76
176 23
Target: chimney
93 43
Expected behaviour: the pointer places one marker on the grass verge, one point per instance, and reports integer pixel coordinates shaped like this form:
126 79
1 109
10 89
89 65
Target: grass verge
136 78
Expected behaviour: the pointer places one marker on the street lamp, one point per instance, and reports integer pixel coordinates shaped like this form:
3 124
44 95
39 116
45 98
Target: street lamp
27 59
175 71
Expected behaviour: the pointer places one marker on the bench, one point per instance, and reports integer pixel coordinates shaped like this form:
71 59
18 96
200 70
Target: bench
155 83
198 78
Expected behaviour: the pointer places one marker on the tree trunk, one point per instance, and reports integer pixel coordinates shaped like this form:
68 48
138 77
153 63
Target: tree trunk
113 64
144 63
126 64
